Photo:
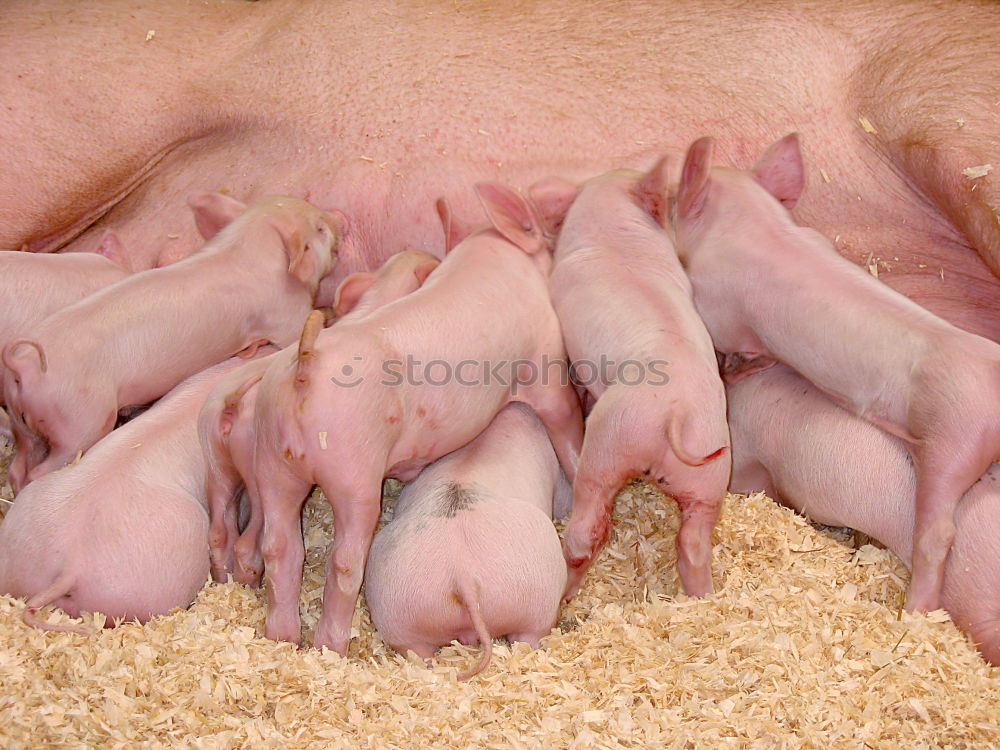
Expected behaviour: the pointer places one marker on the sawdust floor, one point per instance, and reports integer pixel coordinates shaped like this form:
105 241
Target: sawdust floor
803 645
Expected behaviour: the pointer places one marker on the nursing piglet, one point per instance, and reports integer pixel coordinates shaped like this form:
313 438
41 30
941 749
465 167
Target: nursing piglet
35 285
254 282
124 531
800 448
644 355
362 402
770 290
226 424
471 553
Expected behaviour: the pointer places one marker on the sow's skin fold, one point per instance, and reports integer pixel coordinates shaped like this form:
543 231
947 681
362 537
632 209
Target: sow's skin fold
471 553
338 418
226 423
793 443
124 531
254 282
662 417
770 290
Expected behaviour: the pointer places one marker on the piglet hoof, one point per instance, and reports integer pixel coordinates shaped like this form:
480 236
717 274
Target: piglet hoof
288 632
696 579
698 588
574 578
220 574
248 576
920 601
220 567
339 645
332 636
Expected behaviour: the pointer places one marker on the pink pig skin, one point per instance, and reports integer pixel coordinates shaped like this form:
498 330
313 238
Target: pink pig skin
621 295
346 415
225 429
255 281
226 424
795 444
124 532
33 286
769 290
471 553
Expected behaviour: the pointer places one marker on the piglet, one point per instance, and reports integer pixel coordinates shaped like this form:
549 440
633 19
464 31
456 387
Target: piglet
226 429
35 285
770 290
643 353
390 392
471 553
124 531
796 445
254 282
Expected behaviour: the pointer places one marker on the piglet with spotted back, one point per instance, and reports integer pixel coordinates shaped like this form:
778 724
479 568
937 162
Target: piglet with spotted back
644 355
226 424
254 282
357 405
471 553
770 290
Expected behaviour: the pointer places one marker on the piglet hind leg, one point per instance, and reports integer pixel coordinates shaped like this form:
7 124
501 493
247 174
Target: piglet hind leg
597 482
281 499
222 530
558 408
249 562
942 479
589 526
355 515
694 542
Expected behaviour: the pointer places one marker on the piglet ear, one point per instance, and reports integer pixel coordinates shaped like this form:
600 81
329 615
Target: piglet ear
452 233
652 191
18 358
553 196
301 258
512 216
213 211
779 169
693 189
111 247
350 291
326 293
423 270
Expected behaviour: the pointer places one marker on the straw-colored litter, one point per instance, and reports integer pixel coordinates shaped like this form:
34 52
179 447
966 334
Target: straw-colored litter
802 646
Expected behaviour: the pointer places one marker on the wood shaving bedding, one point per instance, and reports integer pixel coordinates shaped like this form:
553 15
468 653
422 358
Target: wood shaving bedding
803 645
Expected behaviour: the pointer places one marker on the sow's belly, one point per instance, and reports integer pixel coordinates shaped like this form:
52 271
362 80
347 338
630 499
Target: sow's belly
381 120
